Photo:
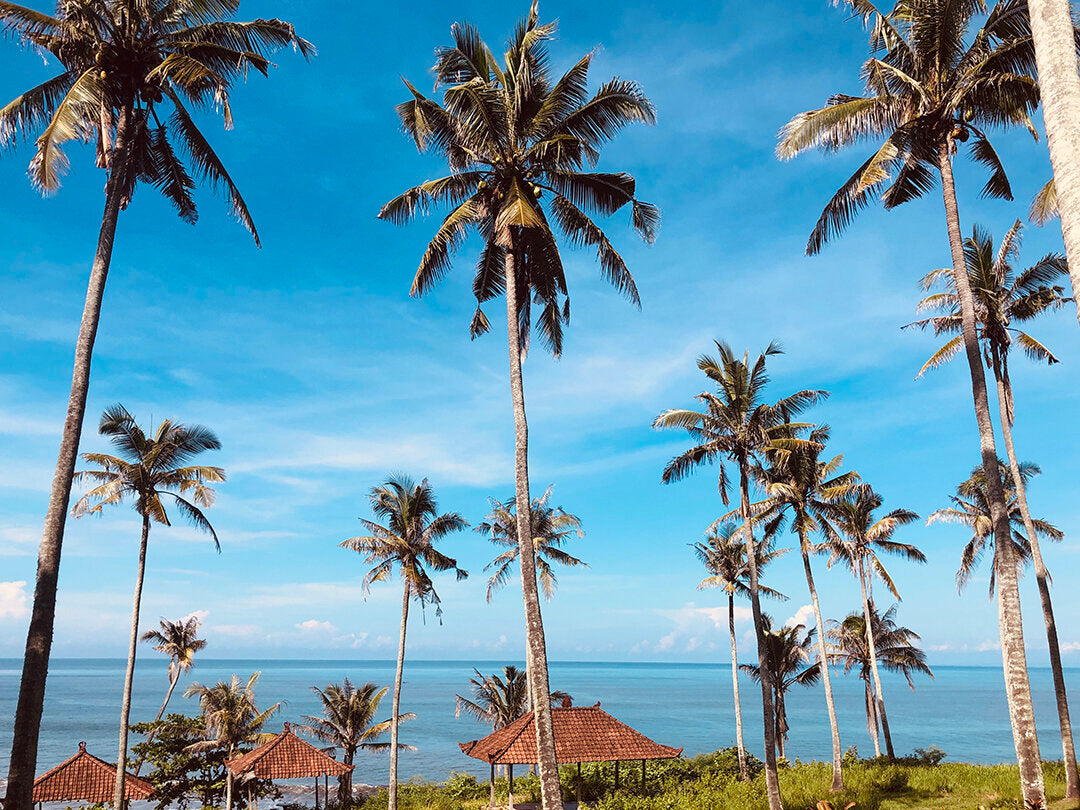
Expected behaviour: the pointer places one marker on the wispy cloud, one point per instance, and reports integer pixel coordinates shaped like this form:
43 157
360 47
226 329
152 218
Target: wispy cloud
14 601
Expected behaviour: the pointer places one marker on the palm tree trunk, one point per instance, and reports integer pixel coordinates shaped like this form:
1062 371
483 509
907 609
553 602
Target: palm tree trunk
345 782
781 743
174 678
879 697
871 715
1010 623
397 697
885 730
125 708
834 728
39 635
550 792
229 781
772 782
1059 86
1072 789
744 772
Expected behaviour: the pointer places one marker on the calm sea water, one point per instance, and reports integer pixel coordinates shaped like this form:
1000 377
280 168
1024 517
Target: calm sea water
962 710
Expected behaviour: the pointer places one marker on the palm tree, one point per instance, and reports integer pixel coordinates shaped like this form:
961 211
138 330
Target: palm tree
551 527
348 723
798 481
179 641
147 469
499 701
231 719
789 665
737 426
412 527
970 508
511 136
124 65
855 536
723 553
938 75
1004 297
1054 35
893 649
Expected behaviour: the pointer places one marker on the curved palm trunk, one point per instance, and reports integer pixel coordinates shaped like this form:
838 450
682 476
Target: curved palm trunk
125 708
744 772
39 635
550 792
1059 87
871 713
781 726
772 782
879 697
174 678
1014 660
1072 790
834 728
229 781
397 697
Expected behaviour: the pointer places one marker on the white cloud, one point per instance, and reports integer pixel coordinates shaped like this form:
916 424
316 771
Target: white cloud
13 600
690 615
315 626
1070 646
18 540
235 630
803 616
198 615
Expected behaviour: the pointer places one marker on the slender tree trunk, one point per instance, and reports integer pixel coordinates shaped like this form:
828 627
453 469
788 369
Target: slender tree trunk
834 728
345 796
39 635
744 772
228 781
871 715
1014 660
885 730
1059 85
125 708
1042 577
397 697
550 792
781 741
879 696
174 678
772 782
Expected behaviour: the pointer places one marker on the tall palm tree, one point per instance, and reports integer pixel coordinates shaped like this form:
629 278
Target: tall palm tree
893 649
723 553
512 135
412 526
1054 34
179 640
348 723
123 67
938 75
737 426
800 482
790 664
231 719
499 701
1004 297
148 469
970 508
855 536
551 527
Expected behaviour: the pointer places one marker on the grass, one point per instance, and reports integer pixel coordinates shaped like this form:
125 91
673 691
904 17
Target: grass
711 781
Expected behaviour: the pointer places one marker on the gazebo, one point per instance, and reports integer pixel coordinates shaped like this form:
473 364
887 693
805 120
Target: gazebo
288 757
582 734
85 778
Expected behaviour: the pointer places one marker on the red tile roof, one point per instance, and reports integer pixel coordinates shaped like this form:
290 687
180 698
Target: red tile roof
582 734
287 757
86 778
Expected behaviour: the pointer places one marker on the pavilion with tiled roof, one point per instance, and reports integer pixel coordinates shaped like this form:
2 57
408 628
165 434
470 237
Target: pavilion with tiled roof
85 778
582 734
286 756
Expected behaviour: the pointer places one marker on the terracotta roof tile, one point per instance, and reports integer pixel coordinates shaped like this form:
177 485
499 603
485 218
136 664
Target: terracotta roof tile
86 778
287 757
582 734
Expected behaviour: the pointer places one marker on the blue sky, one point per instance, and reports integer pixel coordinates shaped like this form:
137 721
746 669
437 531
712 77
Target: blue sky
321 375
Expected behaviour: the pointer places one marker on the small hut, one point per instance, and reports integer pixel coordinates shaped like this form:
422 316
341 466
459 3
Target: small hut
286 756
582 734
85 778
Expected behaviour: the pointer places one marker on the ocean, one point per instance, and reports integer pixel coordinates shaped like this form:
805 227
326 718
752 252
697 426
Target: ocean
961 710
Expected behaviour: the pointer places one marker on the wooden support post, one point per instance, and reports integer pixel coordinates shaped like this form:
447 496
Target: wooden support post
510 791
642 776
616 774
316 793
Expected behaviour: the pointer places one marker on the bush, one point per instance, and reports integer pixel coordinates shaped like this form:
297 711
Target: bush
931 755
462 785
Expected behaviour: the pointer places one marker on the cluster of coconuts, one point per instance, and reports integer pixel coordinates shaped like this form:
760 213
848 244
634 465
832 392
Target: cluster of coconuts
108 59
536 190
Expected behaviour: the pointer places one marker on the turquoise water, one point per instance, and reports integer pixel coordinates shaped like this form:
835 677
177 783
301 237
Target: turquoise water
962 710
